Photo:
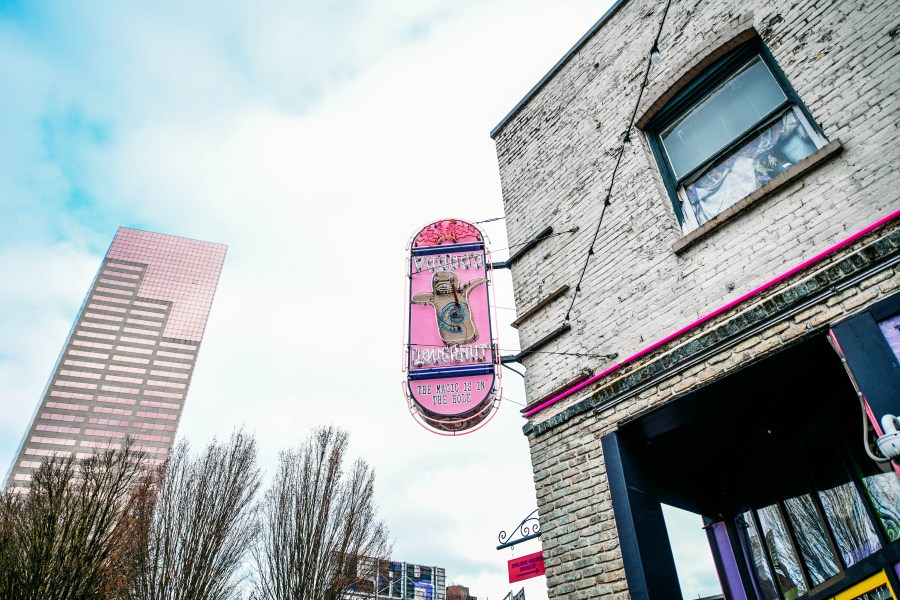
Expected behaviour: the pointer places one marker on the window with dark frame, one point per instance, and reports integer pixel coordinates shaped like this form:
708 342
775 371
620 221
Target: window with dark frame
797 543
729 132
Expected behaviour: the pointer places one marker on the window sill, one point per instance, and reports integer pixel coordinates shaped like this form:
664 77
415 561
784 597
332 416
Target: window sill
813 161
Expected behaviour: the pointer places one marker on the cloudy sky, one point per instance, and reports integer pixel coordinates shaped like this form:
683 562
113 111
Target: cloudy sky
313 138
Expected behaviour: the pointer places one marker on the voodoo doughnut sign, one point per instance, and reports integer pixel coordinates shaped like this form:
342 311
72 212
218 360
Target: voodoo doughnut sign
452 381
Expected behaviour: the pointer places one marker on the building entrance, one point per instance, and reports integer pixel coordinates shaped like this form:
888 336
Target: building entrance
773 457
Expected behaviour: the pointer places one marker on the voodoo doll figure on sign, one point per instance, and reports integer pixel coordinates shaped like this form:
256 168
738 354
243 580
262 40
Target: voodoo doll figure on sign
451 306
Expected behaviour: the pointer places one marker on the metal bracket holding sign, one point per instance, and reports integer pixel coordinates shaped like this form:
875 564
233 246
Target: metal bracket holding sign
451 360
528 529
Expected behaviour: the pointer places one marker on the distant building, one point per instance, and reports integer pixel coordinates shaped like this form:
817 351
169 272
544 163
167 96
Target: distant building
127 364
404 581
712 194
459 592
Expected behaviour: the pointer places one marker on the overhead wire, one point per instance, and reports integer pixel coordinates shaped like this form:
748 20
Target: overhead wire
626 143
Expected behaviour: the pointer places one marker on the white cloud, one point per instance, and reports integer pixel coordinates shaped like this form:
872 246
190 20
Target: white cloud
313 138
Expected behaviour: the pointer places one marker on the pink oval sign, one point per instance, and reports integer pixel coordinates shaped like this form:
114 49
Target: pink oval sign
451 363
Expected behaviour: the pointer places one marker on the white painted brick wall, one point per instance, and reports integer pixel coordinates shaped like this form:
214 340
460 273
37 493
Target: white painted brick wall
556 155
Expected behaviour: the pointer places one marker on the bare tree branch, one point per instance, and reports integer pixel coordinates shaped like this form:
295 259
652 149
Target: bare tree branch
320 534
203 523
55 539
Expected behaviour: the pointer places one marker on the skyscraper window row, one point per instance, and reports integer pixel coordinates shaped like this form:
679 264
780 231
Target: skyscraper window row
52 440
108 422
104 326
161 394
100 355
172 365
131 359
87 344
33 464
168 384
156 415
96 317
120 278
111 271
75 384
118 282
151 449
71 395
151 438
117 292
118 389
66 406
141 331
120 265
79 374
153 426
93 334
112 411
59 417
110 299
105 433
104 317
85 364
154 404
115 400
168 354
133 378
124 369
183 346
143 322
170 374
107 307
132 349
46 452
57 428
101 445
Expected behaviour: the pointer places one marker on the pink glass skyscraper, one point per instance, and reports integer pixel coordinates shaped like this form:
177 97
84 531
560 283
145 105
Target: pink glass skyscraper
127 365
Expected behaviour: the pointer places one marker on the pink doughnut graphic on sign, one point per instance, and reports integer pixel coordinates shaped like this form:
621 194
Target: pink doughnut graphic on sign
451 364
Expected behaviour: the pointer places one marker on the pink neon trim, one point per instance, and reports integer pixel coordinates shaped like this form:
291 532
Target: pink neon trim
717 312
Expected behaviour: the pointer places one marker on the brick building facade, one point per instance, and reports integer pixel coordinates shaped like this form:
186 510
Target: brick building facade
729 303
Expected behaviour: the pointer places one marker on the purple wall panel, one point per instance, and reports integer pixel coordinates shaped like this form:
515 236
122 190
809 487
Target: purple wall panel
729 563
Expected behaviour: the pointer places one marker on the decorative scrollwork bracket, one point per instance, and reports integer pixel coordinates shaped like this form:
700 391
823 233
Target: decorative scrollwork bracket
528 529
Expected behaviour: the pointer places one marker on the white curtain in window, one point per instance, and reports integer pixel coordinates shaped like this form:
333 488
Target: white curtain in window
764 156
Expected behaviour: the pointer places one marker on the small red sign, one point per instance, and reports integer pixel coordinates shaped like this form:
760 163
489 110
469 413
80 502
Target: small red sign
526 567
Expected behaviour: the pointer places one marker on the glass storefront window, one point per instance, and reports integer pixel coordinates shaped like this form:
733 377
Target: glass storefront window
846 514
781 551
890 328
814 546
884 492
760 567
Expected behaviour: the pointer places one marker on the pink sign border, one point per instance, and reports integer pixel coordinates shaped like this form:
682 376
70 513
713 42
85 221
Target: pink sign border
484 411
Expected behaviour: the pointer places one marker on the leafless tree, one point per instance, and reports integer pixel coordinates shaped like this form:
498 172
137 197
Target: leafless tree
320 533
202 523
129 540
55 539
